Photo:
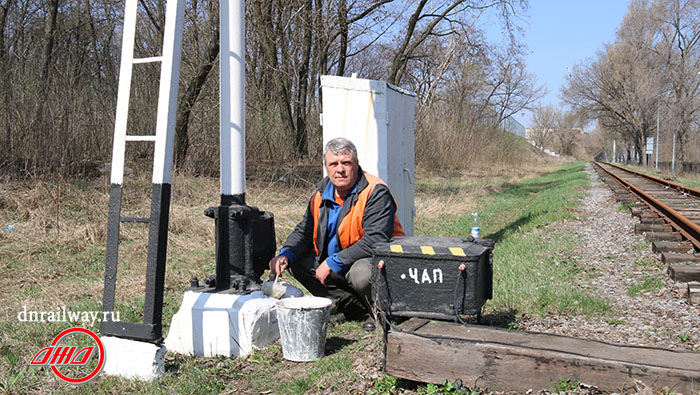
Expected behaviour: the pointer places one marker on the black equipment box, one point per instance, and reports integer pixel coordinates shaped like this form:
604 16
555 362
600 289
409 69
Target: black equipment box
421 276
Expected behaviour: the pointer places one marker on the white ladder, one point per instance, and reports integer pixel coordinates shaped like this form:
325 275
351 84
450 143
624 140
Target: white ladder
151 328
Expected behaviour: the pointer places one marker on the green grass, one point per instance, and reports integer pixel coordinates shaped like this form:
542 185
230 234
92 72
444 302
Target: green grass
648 266
322 368
323 375
648 284
384 386
522 207
447 388
615 321
640 245
564 384
531 278
690 182
533 274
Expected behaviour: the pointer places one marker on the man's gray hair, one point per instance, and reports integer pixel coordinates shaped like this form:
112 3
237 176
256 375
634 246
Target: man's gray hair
338 145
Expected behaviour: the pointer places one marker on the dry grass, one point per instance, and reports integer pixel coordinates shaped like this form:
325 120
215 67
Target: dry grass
691 180
454 193
58 239
60 230
54 255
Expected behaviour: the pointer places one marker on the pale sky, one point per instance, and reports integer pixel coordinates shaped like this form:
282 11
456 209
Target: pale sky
561 33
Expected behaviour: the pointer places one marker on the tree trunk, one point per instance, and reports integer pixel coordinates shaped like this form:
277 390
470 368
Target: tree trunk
49 30
401 57
408 47
267 36
680 152
343 26
4 82
301 140
39 136
4 9
315 76
187 101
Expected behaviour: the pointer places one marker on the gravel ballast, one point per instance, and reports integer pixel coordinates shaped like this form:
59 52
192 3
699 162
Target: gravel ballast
614 258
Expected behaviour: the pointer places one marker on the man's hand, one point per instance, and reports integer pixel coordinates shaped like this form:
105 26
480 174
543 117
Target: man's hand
322 273
278 264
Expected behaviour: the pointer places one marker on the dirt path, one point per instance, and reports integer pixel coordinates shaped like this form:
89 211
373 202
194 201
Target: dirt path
616 258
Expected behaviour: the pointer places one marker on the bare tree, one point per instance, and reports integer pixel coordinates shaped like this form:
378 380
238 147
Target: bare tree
568 133
648 74
4 9
59 70
511 88
618 88
680 51
441 20
194 88
4 80
49 37
545 121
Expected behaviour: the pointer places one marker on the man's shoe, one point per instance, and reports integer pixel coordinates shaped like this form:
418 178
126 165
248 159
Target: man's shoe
369 325
337 318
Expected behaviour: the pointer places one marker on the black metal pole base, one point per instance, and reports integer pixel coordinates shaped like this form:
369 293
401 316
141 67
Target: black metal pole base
245 241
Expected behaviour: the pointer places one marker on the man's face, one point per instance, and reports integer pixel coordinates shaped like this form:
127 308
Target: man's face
342 170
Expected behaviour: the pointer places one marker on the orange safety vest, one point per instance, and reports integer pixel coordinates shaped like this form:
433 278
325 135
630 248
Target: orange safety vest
350 229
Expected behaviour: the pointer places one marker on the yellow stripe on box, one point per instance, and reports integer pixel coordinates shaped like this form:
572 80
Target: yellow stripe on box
396 248
427 250
457 251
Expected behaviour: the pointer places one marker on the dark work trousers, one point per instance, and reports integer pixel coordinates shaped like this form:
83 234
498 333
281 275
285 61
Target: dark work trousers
351 292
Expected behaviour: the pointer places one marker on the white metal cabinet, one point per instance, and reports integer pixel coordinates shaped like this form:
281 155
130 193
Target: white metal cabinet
379 119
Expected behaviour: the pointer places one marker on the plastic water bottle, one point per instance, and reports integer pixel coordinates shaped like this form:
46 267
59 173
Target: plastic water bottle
476 225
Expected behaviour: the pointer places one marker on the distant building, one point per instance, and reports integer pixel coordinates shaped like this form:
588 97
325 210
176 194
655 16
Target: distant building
529 132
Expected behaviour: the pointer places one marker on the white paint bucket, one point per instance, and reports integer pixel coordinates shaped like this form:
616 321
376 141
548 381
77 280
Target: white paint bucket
303 323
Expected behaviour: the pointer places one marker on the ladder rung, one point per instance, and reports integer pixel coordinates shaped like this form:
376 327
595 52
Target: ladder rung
140 138
148 60
135 219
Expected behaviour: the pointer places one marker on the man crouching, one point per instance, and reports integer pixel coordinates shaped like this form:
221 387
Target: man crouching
328 252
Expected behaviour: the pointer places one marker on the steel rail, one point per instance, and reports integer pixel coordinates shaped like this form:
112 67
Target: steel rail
690 230
669 184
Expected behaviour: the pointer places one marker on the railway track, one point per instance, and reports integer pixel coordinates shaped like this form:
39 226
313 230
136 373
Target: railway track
608 351
669 215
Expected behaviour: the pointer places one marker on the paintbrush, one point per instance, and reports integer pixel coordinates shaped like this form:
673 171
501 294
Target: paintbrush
272 288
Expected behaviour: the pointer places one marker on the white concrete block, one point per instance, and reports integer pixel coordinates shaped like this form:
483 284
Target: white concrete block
133 359
210 324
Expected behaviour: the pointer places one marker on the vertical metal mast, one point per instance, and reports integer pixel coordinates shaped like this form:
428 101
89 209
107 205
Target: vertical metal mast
232 102
238 225
151 328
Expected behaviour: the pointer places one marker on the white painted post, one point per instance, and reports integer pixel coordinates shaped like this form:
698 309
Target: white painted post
614 154
120 121
658 109
673 156
167 97
232 96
